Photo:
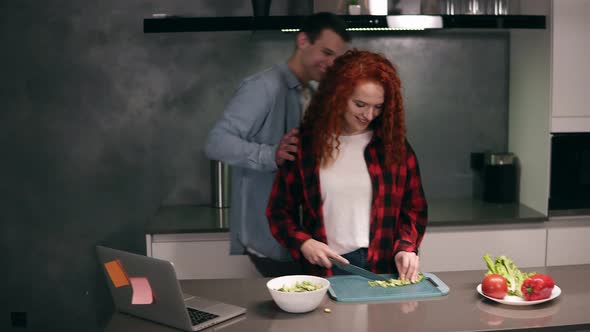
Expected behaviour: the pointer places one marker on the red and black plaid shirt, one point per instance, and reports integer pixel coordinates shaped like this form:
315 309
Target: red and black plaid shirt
398 209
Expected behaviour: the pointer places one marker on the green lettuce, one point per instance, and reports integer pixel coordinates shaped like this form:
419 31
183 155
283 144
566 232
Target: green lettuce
505 267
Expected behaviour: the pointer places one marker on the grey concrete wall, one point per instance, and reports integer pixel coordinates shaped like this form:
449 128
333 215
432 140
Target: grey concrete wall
101 124
455 88
456 99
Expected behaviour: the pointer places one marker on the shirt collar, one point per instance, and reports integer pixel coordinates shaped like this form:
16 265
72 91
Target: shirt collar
292 80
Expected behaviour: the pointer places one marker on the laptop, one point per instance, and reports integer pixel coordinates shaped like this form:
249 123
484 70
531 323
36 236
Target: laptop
169 306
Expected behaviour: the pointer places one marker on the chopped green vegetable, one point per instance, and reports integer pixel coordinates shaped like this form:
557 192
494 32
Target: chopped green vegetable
505 267
395 282
304 286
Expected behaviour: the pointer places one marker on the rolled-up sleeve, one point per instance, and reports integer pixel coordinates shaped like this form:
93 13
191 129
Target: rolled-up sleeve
283 209
414 209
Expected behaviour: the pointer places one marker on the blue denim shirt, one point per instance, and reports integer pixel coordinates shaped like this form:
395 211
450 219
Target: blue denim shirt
264 107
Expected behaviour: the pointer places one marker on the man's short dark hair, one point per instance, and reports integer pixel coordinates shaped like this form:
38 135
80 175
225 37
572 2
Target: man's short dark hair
314 24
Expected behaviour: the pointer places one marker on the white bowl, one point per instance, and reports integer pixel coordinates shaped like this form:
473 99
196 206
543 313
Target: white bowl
297 302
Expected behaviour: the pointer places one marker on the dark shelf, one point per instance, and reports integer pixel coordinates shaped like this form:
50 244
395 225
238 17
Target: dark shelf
493 22
245 23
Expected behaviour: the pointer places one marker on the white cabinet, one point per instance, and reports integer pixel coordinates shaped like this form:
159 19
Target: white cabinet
568 241
457 248
200 255
561 241
570 66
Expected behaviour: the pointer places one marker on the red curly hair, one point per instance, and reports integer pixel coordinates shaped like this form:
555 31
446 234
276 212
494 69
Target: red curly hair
328 105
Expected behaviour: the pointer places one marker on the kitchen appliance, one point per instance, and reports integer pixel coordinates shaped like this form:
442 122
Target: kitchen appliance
498 7
570 172
497 181
377 7
499 171
261 7
357 289
220 184
368 7
470 7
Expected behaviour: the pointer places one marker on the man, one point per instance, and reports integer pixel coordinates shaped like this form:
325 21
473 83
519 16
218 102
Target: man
257 134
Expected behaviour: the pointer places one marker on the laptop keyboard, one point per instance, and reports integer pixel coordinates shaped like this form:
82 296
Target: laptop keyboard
198 317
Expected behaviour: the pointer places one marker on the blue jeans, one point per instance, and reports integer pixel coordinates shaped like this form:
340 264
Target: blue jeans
357 257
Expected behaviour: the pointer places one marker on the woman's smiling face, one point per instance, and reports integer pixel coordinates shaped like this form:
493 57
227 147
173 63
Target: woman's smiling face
363 106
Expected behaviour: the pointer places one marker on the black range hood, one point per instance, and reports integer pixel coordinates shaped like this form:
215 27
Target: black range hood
170 23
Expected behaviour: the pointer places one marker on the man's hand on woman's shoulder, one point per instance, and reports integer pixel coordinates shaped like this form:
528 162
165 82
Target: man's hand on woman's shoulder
287 148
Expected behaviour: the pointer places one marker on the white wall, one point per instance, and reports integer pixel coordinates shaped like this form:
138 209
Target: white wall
570 66
529 108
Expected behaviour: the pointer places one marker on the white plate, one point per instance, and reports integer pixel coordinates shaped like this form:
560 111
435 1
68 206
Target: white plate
516 300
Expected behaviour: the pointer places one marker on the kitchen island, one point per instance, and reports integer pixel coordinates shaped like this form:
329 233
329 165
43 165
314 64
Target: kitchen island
463 309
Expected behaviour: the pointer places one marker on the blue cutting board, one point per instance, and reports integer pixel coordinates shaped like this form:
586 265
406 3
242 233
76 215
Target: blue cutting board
353 288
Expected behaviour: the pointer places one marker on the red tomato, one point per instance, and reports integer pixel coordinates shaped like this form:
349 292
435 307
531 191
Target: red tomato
494 286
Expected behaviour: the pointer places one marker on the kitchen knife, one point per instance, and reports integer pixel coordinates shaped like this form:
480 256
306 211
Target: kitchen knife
356 270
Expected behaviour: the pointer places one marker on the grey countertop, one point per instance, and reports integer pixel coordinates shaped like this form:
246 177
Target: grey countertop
569 213
463 309
470 211
441 212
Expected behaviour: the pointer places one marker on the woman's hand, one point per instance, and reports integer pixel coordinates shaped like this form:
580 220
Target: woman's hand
317 253
408 264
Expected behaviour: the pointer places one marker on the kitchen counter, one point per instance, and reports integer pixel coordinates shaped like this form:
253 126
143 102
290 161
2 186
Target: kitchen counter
570 213
442 212
463 309
191 235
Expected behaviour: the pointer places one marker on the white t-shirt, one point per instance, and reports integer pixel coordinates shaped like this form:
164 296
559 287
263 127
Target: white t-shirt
346 195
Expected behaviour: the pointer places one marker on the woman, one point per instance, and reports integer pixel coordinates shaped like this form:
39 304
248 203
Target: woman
356 178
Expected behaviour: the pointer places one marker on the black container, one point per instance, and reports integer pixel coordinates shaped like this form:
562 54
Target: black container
500 178
261 7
